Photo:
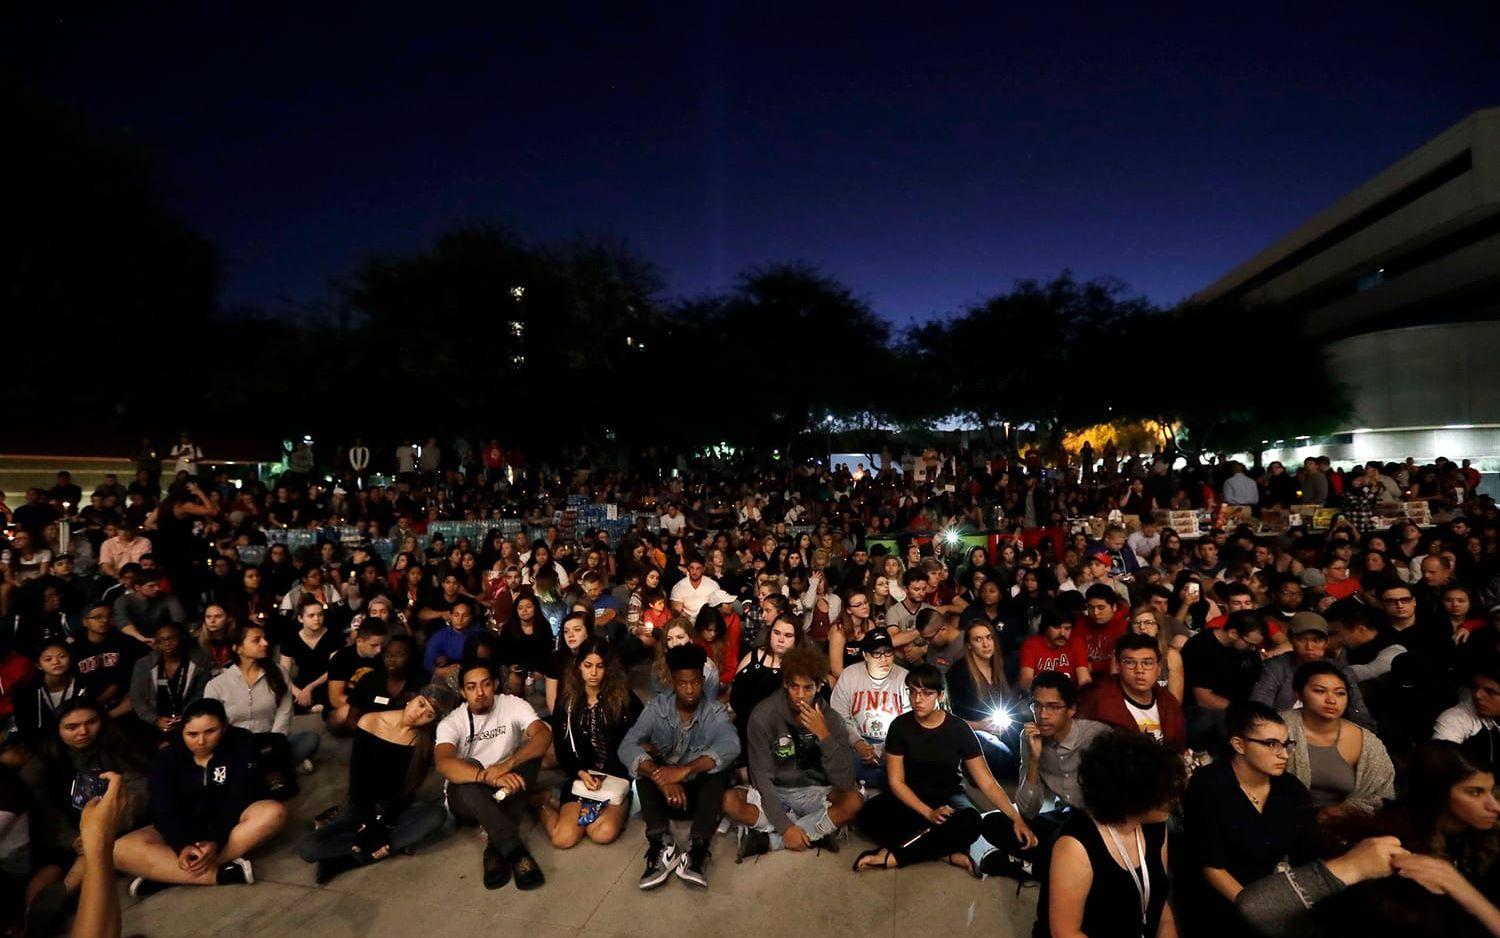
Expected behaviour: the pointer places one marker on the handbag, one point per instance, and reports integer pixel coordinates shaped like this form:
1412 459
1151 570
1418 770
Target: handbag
612 789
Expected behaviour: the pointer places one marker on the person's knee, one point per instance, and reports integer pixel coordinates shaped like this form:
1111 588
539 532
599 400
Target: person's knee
266 814
604 831
844 805
565 835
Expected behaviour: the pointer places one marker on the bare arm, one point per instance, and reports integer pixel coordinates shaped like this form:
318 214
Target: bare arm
1069 881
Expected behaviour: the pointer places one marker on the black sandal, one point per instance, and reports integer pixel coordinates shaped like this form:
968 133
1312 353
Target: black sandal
886 864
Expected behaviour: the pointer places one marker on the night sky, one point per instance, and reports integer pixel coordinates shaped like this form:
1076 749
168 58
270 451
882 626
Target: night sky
923 155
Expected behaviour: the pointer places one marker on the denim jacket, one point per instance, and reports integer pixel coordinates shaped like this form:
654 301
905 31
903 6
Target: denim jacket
710 734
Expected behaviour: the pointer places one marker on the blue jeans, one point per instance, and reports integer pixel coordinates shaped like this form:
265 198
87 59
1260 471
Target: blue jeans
303 745
416 823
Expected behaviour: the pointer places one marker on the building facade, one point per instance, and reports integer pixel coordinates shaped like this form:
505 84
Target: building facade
1400 280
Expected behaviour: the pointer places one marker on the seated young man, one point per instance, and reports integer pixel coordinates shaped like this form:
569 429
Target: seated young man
492 744
1133 700
1054 743
351 664
867 697
681 753
1055 647
801 766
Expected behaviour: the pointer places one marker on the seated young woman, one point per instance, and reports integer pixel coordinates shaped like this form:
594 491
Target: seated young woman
1108 873
207 814
595 710
392 755
925 814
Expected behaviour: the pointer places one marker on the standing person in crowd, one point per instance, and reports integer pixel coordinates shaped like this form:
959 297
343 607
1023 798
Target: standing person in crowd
681 753
256 694
205 807
1245 815
801 766
491 745
392 755
925 814
868 698
1108 873
595 711
1052 746
1344 766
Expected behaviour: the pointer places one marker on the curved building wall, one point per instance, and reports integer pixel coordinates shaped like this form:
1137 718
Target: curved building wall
1422 376
1421 391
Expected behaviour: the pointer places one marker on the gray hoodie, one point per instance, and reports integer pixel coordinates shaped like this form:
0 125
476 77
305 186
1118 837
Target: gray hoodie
773 742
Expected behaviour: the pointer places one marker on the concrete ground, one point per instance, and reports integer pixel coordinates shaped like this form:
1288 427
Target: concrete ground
590 890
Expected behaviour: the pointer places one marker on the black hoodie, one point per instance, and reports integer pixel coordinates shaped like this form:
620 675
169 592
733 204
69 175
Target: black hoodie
192 802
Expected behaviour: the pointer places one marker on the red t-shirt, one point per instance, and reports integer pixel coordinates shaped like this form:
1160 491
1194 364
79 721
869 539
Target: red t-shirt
1342 589
1039 656
1100 641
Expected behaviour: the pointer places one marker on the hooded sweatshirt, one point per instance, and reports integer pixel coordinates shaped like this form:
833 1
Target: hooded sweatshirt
784 755
868 706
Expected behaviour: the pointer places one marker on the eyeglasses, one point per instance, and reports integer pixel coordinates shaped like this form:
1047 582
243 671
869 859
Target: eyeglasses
1137 664
1400 601
1276 746
1038 706
882 653
922 692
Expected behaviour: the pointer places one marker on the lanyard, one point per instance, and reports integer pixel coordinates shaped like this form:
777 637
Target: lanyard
1143 881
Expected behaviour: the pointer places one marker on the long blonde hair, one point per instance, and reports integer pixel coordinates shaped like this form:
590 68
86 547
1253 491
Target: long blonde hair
659 664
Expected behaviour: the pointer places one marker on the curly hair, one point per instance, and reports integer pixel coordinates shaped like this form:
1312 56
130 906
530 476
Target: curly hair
1125 775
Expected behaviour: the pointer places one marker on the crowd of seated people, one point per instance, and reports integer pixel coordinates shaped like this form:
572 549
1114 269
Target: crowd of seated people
1243 731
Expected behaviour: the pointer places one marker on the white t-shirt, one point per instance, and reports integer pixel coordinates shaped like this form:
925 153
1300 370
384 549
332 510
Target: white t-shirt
672 524
693 599
489 737
1147 719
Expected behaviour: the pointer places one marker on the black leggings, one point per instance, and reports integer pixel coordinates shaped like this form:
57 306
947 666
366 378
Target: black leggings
912 838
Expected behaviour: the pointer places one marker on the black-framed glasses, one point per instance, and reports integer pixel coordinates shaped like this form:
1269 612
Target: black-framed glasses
1277 746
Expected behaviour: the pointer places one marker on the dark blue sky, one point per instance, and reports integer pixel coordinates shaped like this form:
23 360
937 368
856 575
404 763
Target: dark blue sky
925 154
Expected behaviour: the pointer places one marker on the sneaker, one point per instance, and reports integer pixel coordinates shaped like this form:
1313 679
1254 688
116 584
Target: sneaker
661 859
496 869
528 873
828 842
305 767
141 887
694 870
236 872
753 843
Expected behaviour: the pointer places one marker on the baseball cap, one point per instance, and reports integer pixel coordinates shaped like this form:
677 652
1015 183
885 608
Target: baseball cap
1102 557
875 640
1307 622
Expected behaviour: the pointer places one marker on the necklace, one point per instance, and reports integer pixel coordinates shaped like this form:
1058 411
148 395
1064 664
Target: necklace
1253 800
